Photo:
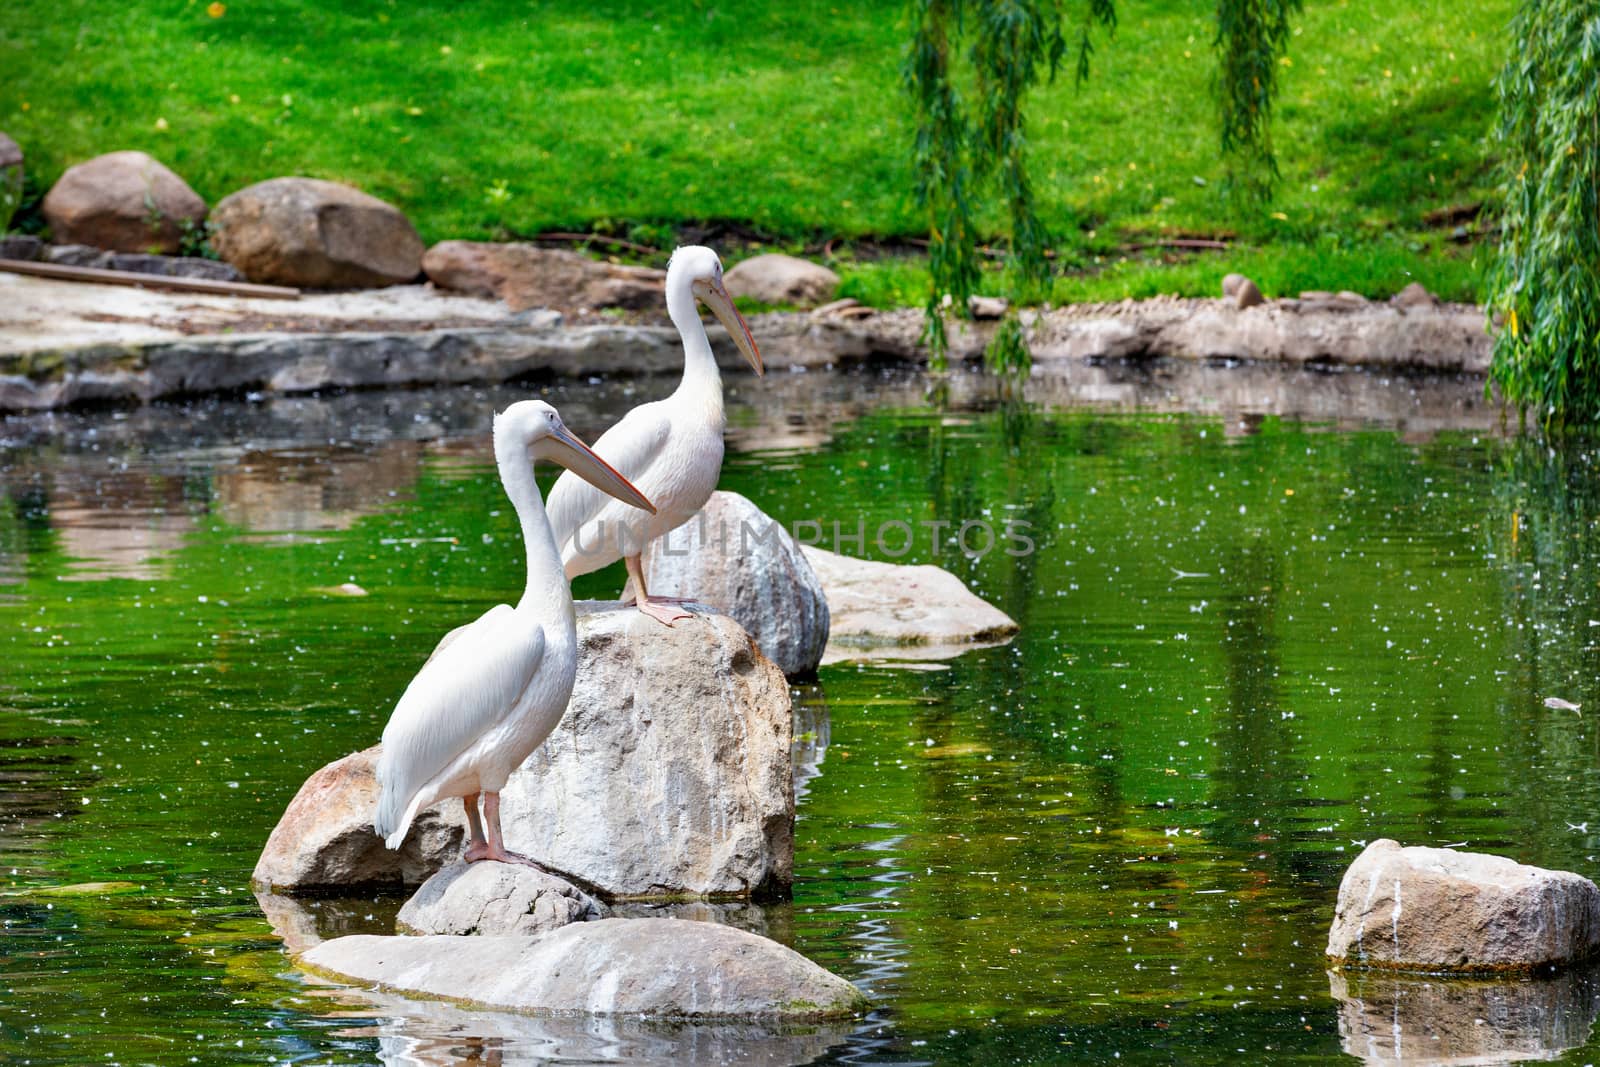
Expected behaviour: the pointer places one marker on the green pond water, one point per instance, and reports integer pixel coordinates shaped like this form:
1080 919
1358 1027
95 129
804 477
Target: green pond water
1267 618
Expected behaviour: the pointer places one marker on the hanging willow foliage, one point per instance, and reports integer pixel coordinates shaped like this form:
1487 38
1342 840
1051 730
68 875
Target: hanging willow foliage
1252 36
1545 282
960 151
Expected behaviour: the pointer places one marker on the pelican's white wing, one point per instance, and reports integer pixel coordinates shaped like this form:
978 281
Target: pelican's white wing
631 446
473 680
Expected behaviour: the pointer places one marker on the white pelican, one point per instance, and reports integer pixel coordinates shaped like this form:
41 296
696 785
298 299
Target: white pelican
496 687
671 449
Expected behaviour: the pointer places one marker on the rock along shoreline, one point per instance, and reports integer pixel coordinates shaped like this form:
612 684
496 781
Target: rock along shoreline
65 344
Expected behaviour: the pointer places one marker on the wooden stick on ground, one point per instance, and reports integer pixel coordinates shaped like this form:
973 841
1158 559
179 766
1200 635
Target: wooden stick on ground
147 281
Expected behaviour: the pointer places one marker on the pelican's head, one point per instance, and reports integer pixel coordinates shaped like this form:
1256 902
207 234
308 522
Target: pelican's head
537 427
704 270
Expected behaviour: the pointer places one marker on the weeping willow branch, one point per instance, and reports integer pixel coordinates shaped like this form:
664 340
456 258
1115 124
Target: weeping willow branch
1252 36
1545 282
960 152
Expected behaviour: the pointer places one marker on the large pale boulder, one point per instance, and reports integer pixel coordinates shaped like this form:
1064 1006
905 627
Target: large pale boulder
1388 1019
661 968
315 234
123 201
741 561
669 775
527 276
774 278
495 899
325 839
873 604
671 772
1436 909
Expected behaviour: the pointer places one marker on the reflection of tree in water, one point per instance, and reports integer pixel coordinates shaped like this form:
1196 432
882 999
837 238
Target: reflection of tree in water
1542 533
1259 779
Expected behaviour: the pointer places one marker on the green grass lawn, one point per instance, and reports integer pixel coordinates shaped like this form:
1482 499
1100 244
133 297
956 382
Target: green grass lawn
487 120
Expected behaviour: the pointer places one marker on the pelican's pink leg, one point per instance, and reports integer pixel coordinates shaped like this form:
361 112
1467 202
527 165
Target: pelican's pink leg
495 846
476 845
656 607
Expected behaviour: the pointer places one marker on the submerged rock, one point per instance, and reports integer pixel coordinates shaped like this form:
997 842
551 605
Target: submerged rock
736 558
671 772
325 840
1436 909
877 604
495 899
123 201
669 775
1393 1019
661 968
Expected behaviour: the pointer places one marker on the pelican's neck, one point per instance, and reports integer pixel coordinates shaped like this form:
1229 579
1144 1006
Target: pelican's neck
700 374
546 593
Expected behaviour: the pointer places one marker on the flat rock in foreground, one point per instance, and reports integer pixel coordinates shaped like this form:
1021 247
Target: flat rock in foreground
661 968
1436 909
877 604
490 899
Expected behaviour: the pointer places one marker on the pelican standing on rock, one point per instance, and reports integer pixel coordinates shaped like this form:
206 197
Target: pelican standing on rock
671 449
495 688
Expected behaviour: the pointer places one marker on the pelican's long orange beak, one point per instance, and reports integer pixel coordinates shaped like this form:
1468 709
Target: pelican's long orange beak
716 297
563 447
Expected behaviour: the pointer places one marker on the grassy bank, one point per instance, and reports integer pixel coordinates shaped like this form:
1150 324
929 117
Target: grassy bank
643 119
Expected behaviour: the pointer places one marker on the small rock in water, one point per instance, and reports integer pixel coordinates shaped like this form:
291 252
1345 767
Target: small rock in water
493 899
1435 909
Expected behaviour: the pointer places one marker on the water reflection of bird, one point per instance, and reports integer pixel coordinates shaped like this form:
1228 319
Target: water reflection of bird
494 689
671 448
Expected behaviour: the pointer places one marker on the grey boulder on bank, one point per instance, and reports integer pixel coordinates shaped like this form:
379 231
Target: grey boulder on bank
669 776
662 968
734 557
526 276
1436 909
123 202
315 234
774 278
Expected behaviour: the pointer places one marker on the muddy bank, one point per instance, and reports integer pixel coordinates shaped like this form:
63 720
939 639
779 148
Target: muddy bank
63 343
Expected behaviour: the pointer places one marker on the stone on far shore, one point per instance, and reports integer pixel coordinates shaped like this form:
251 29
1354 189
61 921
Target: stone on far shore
315 234
659 968
124 202
1436 909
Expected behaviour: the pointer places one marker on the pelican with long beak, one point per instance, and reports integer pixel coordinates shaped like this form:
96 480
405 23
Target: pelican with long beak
495 688
671 448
